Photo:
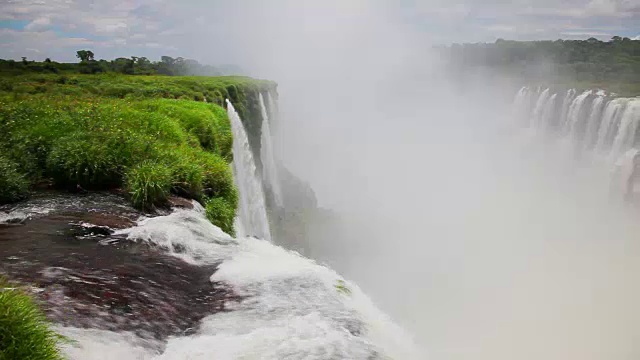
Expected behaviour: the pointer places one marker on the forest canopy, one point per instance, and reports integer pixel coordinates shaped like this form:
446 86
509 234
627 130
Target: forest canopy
592 60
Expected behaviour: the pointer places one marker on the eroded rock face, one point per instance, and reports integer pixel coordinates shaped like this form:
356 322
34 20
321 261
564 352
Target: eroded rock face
64 247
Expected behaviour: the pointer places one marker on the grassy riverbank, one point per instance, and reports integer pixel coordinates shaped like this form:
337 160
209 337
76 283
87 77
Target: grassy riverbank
150 135
24 331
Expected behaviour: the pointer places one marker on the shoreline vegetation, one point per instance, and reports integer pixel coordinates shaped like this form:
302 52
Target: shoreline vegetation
25 332
151 135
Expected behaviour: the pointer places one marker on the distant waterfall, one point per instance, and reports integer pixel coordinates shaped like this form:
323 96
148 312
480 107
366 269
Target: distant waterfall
609 125
592 120
564 112
269 169
573 116
628 127
539 108
252 213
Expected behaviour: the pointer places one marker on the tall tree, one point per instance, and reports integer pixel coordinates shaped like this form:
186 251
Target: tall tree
85 55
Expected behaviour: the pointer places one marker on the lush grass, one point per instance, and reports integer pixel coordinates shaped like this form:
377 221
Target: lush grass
13 185
149 184
149 147
220 213
24 331
212 89
151 135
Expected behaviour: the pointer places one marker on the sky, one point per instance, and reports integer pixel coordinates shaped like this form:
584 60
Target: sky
110 28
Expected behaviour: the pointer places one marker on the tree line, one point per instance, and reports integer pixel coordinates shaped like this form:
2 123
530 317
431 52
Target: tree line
135 65
616 60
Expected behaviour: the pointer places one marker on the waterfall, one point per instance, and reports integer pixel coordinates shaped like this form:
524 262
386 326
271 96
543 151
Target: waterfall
628 127
593 122
539 108
290 306
608 124
269 169
573 116
564 111
252 213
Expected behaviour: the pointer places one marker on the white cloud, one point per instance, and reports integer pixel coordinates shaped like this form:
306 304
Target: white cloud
586 33
501 28
148 27
39 24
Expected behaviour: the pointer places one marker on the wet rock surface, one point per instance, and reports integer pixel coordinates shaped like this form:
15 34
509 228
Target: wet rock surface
64 247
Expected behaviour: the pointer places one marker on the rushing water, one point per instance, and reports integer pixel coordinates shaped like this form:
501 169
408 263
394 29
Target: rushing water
269 168
292 308
252 214
289 307
598 122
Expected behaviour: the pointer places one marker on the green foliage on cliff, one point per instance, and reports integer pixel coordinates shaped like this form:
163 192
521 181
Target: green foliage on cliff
210 89
149 135
220 213
24 331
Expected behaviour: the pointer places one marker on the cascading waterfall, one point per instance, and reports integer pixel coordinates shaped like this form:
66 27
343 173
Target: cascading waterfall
594 121
610 125
564 111
539 109
628 127
573 116
252 213
269 169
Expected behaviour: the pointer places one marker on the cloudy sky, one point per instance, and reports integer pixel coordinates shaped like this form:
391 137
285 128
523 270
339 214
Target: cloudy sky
191 28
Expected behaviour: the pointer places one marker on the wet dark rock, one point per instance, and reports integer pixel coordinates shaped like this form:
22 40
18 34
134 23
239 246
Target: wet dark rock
180 202
87 277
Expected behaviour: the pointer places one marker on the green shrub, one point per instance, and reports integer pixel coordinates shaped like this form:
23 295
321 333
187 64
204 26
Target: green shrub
218 178
187 177
13 185
221 214
82 159
149 184
24 331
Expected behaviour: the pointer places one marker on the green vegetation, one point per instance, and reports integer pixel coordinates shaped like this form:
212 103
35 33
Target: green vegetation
149 184
150 135
13 185
108 143
222 214
134 65
24 331
613 65
342 287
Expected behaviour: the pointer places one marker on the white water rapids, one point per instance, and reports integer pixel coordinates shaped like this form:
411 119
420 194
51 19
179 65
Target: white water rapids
294 308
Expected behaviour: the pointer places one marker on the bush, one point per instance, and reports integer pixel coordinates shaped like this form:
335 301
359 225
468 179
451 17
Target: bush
148 184
218 178
13 185
221 214
24 331
85 160
187 177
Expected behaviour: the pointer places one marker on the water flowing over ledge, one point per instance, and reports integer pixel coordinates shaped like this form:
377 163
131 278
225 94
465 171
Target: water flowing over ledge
259 300
291 307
